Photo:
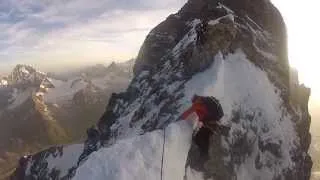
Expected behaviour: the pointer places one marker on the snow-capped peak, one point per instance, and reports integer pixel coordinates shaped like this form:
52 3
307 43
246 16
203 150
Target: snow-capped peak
26 74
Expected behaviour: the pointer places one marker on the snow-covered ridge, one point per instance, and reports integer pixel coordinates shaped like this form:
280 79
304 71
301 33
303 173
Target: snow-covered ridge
60 158
240 87
140 158
239 58
245 91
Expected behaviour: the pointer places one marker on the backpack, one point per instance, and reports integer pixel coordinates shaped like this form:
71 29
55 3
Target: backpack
215 111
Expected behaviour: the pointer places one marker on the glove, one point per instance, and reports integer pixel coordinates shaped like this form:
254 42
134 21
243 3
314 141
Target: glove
194 122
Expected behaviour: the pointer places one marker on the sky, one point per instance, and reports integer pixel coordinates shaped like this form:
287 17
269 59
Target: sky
303 39
302 20
51 34
57 34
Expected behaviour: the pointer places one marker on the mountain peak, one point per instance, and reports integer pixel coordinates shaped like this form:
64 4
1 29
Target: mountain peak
260 15
24 68
26 74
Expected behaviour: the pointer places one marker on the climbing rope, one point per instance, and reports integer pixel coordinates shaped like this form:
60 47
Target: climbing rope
162 158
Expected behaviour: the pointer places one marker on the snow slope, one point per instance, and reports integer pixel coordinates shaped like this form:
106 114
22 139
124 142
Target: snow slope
139 158
67 160
239 85
59 158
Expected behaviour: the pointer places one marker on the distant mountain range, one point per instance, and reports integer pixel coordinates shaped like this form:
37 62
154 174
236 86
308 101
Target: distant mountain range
40 109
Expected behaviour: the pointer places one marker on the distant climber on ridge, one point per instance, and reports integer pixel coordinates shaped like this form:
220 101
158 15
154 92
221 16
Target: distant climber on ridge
204 113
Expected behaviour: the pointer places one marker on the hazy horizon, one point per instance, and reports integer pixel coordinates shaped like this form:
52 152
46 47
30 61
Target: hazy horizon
62 68
60 34
57 35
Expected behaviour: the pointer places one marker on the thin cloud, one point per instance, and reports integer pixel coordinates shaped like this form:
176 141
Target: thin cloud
42 31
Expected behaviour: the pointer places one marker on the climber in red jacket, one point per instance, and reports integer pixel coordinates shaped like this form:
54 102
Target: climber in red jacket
205 112
207 109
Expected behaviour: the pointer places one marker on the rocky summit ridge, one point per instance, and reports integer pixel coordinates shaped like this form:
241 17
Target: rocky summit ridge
239 56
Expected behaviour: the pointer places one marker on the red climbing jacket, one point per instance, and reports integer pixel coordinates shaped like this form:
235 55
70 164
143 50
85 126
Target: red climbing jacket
204 114
207 109
197 107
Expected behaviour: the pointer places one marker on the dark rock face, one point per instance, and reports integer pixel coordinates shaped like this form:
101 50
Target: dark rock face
159 42
169 33
38 166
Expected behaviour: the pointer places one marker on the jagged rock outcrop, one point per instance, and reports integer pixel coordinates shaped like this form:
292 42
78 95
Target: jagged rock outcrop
238 55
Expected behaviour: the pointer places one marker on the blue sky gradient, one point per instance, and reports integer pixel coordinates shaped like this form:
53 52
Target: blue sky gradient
51 34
